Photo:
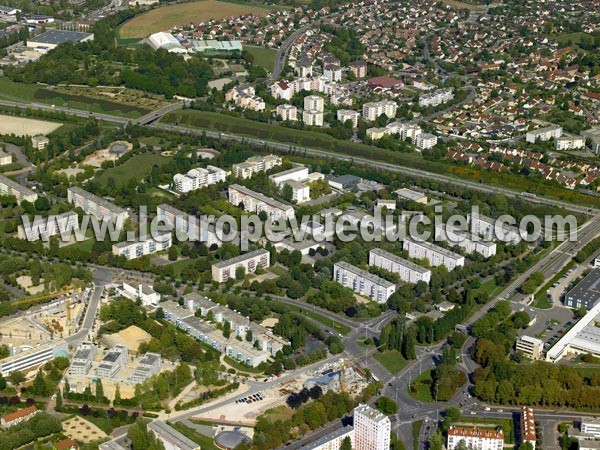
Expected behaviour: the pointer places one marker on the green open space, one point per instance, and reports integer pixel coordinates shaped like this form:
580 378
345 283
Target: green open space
392 360
264 57
483 423
241 367
135 167
416 429
205 442
420 388
296 139
339 327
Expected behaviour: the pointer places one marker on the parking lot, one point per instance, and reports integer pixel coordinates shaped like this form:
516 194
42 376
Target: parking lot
259 396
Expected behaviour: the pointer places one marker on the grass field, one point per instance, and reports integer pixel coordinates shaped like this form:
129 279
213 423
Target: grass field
138 167
416 433
204 442
18 90
338 327
463 5
392 360
264 57
422 384
161 19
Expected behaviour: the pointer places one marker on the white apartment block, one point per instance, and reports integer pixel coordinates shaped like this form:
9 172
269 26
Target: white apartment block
287 112
410 131
147 365
590 426
282 90
300 191
297 173
44 227
312 118
81 362
33 357
372 110
530 347
198 178
408 271
437 256
97 206
20 192
332 441
332 72
404 130
245 97
224 270
254 165
475 438
256 202
371 429
40 142
112 361
569 143
363 282
544 134
424 141
5 158
314 102
147 295
188 225
145 246
343 115
470 243
488 228
436 98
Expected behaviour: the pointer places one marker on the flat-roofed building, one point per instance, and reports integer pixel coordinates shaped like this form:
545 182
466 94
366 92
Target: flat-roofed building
40 142
437 256
530 346
312 117
33 357
569 143
582 338
332 441
287 112
436 97
345 182
314 103
256 202
589 444
408 271
112 361
413 196
170 437
224 270
188 225
144 246
344 115
590 426
53 38
45 227
544 134
372 110
20 192
371 429
81 361
491 229
476 438
528 434
254 165
468 242
147 295
297 173
5 158
245 353
424 141
97 206
147 365
363 282
198 178
586 293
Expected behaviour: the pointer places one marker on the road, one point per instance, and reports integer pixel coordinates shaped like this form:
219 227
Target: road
284 50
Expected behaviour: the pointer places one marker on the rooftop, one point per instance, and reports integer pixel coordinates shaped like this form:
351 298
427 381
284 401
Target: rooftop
397 259
588 289
327 438
174 437
20 413
240 258
363 273
97 200
57 37
434 248
261 197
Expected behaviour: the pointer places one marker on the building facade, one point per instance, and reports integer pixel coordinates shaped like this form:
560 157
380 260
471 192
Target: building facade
371 429
20 192
145 246
469 243
45 227
437 256
475 438
287 112
256 202
254 165
372 110
408 271
96 206
224 270
198 178
530 346
363 282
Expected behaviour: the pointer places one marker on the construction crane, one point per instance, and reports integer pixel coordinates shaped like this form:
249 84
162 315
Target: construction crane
37 298
350 363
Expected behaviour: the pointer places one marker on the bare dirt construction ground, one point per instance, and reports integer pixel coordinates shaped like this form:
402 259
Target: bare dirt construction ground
81 430
26 127
21 331
131 337
167 17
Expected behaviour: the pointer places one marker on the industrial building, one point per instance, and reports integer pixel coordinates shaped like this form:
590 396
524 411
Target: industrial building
256 202
214 47
297 173
20 192
413 196
224 270
363 282
582 338
468 242
166 41
437 256
408 271
144 246
97 206
53 38
346 182
586 293
112 361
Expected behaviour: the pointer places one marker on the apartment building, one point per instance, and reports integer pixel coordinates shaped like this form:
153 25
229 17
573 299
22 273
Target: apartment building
45 227
195 228
245 97
437 256
491 229
21 415
408 271
467 241
81 362
282 90
254 165
256 202
436 98
300 191
530 346
569 143
333 440
372 110
40 142
312 117
544 134
371 429
198 178
97 206
332 72
20 192
528 434
287 112
343 115
224 270
475 438
147 295
359 68
144 246
33 357
112 361
424 141
314 103
147 366
363 282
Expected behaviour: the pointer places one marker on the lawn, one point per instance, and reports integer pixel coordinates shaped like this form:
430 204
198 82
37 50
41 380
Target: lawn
138 166
422 385
241 367
281 412
264 57
463 5
392 360
18 90
161 19
179 266
204 442
416 433
339 327
278 270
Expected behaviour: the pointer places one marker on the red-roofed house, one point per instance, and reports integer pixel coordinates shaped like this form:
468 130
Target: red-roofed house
66 444
19 416
475 438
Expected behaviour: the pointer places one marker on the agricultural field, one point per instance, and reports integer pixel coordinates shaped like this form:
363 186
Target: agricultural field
161 19
21 126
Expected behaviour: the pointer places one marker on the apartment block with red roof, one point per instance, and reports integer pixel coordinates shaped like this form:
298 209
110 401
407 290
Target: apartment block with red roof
477 438
19 416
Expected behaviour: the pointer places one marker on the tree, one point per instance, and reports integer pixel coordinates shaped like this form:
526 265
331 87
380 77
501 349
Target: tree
287 192
117 398
346 444
39 384
58 399
173 253
387 406
99 389
16 377
240 272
